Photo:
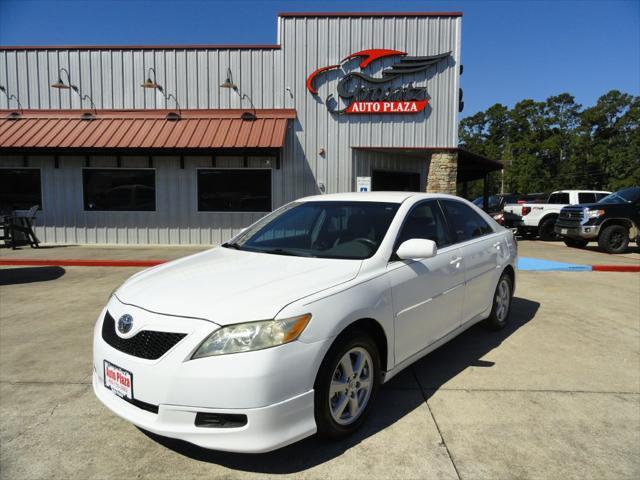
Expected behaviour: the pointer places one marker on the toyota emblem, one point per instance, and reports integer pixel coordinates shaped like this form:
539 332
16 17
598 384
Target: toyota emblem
125 323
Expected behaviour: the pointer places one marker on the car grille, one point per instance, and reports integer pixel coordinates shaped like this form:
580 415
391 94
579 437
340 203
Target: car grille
147 344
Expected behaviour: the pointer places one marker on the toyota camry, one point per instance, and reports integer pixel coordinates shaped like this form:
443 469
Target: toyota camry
290 327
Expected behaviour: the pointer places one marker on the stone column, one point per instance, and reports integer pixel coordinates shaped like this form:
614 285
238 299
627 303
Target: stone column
443 171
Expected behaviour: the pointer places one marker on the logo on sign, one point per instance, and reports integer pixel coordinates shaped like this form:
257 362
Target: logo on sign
390 93
125 323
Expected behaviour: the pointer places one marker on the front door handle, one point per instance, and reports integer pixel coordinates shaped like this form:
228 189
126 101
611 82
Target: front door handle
455 260
497 245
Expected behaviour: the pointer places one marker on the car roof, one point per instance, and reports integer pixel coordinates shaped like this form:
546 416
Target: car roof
390 197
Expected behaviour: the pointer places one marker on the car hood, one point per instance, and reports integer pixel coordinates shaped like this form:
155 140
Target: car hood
229 286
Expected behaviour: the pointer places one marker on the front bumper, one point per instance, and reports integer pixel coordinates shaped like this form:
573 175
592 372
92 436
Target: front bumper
272 387
267 428
586 232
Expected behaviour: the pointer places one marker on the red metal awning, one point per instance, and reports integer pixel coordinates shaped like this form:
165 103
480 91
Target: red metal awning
143 129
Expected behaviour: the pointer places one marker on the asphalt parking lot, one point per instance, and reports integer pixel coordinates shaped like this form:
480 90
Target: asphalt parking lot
554 395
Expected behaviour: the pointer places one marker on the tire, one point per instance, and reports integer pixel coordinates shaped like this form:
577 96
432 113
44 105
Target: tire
575 242
545 229
331 422
502 299
614 239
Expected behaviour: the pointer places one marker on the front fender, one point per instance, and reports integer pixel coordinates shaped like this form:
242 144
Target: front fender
334 312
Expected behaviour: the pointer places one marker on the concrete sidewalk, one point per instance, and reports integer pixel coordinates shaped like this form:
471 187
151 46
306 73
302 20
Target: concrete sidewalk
554 395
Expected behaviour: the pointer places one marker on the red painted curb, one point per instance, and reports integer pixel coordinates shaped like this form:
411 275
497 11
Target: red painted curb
82 263
615 268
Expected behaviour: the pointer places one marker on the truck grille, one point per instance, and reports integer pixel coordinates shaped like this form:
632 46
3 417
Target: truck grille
147 344
570 217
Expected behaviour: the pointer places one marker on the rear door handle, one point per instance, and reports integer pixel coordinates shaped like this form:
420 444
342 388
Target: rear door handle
497 245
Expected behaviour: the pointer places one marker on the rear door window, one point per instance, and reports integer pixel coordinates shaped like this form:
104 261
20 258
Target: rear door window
586 197
559 198
464 223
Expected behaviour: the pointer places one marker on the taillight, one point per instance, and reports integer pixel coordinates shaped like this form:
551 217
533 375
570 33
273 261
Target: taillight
525 210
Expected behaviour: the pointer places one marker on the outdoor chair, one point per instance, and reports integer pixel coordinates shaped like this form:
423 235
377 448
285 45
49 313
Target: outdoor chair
17 230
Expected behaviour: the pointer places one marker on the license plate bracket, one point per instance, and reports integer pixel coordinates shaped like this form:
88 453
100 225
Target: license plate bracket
118 380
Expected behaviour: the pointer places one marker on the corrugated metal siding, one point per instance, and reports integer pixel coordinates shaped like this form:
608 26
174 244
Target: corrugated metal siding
176 220
274 78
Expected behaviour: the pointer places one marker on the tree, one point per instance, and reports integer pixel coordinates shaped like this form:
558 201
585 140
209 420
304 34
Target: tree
557 144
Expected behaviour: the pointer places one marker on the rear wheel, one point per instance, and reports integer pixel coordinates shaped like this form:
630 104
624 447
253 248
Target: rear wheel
614 239
545 229
502 299
346 385
575 242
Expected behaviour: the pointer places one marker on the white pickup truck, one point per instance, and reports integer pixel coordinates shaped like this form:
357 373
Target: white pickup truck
540 218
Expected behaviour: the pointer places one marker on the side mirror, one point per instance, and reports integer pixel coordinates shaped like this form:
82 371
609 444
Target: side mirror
416 248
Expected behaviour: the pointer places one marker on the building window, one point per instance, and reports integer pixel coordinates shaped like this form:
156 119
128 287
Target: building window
234 190
122 189
20 188
391 181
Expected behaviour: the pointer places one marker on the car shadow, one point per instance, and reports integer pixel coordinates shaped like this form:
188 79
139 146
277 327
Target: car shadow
16 276
397 398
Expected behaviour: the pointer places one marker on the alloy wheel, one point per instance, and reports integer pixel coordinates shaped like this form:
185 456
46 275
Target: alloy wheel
502 300
351 385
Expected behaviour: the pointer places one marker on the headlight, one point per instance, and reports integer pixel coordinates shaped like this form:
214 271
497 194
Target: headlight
594 213
245 337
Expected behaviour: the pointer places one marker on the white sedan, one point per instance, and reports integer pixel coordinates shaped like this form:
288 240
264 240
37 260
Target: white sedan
290 328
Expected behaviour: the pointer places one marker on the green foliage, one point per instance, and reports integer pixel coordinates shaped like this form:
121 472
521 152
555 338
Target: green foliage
557 144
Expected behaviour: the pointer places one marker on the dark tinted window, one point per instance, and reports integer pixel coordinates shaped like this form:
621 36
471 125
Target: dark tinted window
119 189
425 221
463 221
559 198
600 196
389 181
19 188
585 197
346 230
234 190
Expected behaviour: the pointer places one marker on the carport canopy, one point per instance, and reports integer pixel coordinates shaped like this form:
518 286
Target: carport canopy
471 166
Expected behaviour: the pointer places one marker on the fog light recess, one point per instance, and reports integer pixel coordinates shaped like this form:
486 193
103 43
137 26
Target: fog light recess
220 420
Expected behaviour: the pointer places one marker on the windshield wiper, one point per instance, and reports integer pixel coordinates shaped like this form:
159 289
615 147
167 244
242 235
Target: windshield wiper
233 245
282 251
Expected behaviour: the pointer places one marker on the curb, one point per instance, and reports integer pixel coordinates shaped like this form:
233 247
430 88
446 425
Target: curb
615 268
153 263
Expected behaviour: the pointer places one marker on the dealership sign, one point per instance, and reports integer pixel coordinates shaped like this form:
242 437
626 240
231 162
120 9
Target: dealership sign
365 94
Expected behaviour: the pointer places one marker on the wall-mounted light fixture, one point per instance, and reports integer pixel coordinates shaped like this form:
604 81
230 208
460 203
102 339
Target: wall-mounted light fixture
60 85
149 83
10 96
228 83
153 84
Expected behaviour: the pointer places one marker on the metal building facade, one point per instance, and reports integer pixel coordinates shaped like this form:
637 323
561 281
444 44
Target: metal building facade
319 154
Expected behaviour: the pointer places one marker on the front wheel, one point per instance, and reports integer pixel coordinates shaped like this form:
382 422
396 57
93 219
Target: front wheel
346 385
502 299
575 242
614 239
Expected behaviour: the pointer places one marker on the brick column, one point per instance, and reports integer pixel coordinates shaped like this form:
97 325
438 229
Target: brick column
443 171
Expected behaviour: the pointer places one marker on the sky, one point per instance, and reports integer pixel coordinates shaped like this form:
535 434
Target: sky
511 50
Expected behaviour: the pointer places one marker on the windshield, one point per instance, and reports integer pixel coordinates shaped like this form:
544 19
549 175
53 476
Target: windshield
627 195
345 230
